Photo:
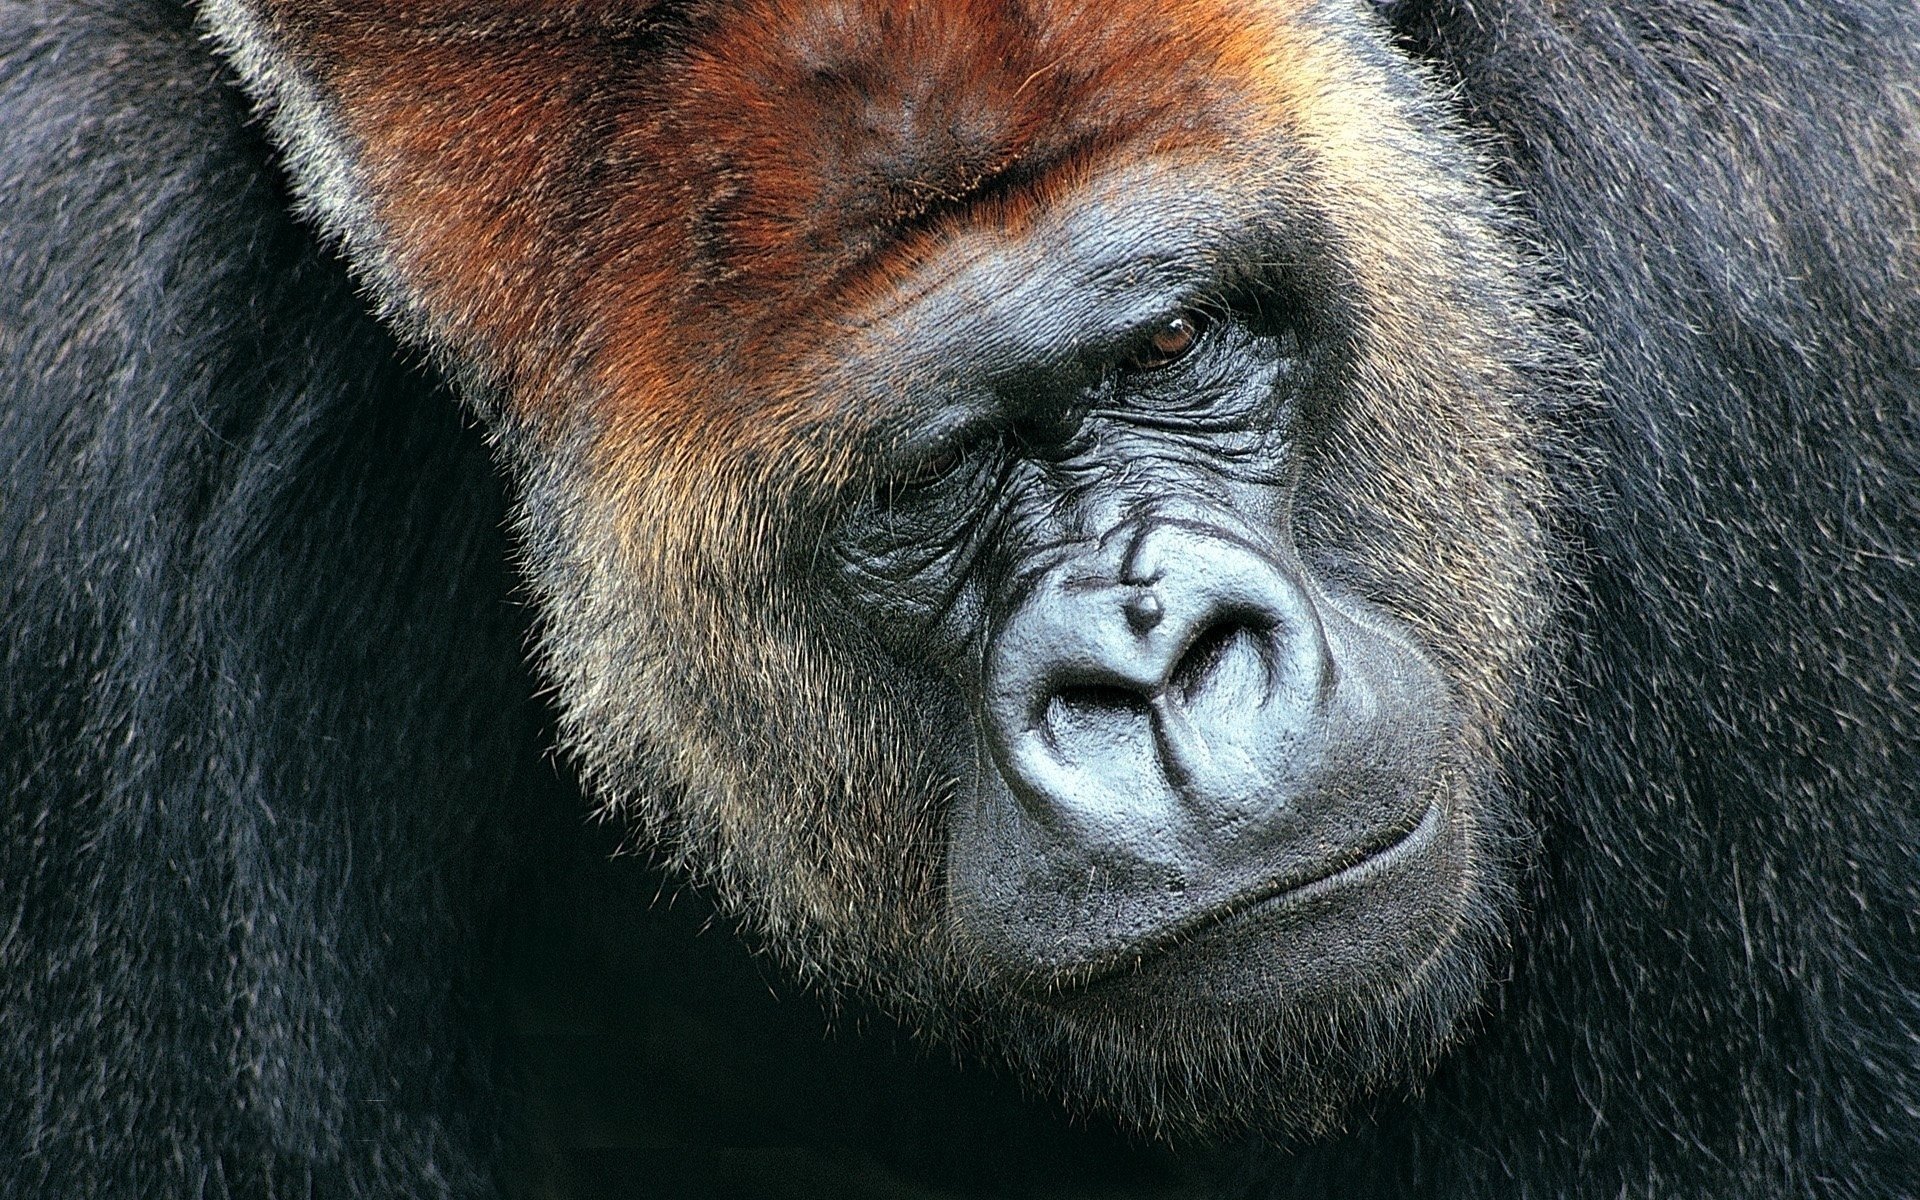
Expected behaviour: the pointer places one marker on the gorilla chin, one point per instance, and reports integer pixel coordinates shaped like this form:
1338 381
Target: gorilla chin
1277 1011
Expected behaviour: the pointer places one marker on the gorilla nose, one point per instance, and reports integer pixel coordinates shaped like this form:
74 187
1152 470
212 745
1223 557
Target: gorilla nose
1174 672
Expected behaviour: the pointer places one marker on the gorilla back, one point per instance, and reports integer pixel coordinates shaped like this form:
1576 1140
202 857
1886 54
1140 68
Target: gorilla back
1326 587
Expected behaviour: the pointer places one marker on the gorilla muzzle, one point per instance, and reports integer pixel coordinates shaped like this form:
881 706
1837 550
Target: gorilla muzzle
1177 722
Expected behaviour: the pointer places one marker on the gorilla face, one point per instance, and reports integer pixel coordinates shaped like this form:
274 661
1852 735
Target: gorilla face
1119 697
1172 723
1200 783
1037 507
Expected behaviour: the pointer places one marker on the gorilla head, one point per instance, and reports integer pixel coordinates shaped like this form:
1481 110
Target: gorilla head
1037 507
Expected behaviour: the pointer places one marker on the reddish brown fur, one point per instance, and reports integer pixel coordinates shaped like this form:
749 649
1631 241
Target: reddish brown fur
642 213
636 213
679 202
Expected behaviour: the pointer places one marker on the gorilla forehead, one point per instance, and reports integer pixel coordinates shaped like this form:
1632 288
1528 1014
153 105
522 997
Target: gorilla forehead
636 189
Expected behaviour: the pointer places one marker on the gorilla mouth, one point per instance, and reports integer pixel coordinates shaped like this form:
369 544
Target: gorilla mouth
1273 900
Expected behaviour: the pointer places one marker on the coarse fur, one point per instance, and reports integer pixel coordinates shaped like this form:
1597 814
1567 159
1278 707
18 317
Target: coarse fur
209 448
681 376
1631 404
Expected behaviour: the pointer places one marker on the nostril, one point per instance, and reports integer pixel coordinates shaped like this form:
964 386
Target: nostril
1230 653
1076 710
1096 697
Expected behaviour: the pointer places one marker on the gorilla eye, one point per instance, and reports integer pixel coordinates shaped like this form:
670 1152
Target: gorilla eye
1166 343
933 469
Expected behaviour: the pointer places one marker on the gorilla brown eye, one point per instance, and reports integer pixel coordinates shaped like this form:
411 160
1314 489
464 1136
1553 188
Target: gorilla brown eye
934 468
1167 343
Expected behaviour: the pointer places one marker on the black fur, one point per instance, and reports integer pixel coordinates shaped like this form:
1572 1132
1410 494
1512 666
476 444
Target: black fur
261 689
1721 992
271 770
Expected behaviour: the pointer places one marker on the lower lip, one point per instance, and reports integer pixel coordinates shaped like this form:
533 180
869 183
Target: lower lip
1411 842
1279 894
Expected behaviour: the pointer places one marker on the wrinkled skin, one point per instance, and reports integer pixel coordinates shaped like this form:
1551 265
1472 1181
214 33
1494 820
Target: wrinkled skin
1172 720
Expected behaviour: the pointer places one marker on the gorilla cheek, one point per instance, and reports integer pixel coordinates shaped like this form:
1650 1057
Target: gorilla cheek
1191 760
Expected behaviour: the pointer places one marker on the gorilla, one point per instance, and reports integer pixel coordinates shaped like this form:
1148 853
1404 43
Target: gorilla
1247 598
